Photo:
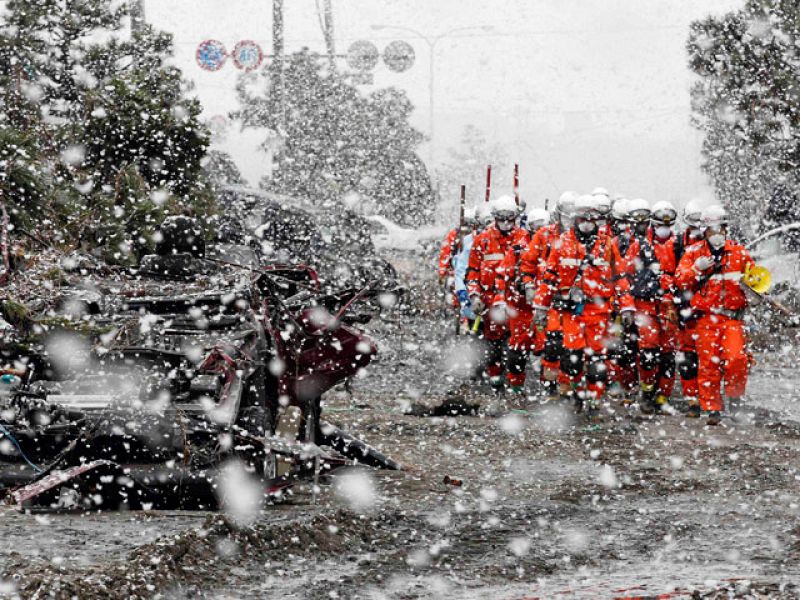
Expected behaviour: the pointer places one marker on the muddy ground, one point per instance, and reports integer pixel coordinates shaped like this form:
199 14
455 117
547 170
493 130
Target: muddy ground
547 507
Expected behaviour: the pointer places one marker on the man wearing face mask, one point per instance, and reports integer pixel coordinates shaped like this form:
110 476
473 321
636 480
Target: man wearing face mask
686 357
584 277
668 250
644 270
533 265
488 250
712 270
603 204
451 247
511 297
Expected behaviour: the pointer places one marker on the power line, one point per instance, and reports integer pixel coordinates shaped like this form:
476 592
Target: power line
496 34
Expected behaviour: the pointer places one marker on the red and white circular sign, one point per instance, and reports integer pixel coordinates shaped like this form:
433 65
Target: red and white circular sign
247 55
211 55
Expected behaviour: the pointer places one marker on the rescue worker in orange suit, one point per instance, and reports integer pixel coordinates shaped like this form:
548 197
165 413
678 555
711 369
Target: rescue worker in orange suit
584 275
644 272
488 250
511 298
623 347
686 357
713 270
450 248
669 250
533 265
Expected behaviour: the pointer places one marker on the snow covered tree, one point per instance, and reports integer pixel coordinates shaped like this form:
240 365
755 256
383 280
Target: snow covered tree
747 102
466 164
105 108
221 170
337 143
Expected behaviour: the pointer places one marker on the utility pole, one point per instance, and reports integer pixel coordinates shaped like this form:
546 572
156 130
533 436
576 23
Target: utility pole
327 24
277 51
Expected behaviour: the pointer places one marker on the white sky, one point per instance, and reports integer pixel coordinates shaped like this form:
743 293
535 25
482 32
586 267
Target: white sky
580 92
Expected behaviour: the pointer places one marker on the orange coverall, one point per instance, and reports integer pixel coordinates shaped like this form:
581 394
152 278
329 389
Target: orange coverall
651 268
596 270
719 301
488 251
549 342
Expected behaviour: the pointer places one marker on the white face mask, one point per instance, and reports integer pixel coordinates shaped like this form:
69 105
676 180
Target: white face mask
505 225
587 226
695 234
663 232
716 240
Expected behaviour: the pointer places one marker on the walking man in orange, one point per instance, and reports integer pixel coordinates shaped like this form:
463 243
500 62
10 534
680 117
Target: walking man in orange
713 270
533 265
511 297
487 253
584 274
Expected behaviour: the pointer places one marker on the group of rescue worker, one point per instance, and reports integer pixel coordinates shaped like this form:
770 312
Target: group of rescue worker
612 296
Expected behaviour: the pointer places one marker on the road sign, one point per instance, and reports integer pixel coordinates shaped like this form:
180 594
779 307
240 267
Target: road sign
399 56
362 56
247 55
211 55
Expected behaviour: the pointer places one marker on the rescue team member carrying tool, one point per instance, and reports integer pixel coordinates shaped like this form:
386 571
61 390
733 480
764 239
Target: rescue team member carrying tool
460 263
533 265
712 270
488 250
584 276
510 297
450 246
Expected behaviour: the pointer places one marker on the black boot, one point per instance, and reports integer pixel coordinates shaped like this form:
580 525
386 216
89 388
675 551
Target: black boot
647 399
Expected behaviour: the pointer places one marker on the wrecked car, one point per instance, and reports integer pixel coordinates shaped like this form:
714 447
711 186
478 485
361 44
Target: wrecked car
191 364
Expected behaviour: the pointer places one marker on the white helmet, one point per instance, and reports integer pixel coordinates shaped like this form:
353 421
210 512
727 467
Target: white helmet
602 203
485 214
620 209
714 216
566 202
600 191
692 212
504 204
585 206
638 210
537 217
664 212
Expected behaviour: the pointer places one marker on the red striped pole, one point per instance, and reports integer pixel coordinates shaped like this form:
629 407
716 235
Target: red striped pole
488 181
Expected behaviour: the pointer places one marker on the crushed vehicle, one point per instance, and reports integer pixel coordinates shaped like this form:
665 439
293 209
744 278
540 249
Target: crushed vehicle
335 241
190 364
